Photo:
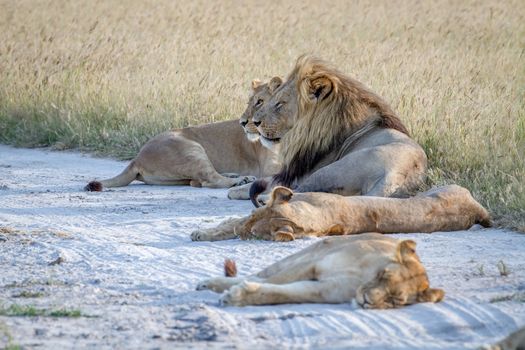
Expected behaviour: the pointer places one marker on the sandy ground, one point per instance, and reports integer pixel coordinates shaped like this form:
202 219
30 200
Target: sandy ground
128 265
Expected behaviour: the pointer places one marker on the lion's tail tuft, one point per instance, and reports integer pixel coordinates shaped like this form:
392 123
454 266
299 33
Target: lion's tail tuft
230 268
485 221
258 187
94 186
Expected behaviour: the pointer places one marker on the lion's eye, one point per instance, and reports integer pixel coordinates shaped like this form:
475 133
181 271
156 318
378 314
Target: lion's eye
259 102
279 104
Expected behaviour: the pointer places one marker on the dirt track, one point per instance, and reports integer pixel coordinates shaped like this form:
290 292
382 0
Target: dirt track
124 259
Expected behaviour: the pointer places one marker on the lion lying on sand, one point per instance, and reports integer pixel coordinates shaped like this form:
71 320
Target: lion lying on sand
291 215
335 135
378 271
204 155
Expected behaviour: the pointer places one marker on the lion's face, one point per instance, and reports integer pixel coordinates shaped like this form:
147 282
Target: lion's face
278 114
282 222
261 93
402 282
270 225
265 222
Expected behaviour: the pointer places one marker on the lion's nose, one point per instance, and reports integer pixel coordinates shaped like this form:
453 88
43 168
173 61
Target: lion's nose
257 123
243 123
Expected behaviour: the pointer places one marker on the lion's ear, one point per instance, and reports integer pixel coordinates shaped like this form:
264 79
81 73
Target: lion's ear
274 84
281 195
320 88
256 83
432 295
406 250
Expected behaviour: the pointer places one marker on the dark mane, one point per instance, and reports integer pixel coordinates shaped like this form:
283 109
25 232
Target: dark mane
393 122
324 126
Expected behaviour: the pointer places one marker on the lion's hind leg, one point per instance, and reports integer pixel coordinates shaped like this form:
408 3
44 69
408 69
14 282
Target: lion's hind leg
230 175
184 159
203 172
154 180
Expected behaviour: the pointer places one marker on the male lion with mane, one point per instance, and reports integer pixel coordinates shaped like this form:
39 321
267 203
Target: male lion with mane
217 155
337 136
379 272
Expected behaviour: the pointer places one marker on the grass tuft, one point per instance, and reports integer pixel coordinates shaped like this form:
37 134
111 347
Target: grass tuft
520 297
13 347
503 269
5 334
16 310
28 294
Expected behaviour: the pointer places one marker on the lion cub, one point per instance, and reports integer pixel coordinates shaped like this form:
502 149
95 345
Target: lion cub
378 271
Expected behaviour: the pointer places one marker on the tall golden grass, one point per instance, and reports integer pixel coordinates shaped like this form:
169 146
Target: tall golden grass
104 76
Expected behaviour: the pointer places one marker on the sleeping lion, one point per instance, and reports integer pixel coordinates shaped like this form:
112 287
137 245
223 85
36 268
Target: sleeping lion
290 215
379 272
217 155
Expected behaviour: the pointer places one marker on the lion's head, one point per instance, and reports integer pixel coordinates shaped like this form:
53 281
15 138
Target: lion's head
310 213
261 93
278 114
403 281
314 111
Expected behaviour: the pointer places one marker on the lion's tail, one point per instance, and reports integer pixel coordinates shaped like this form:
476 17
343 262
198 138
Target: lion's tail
230 268
484 219
123 179
258 187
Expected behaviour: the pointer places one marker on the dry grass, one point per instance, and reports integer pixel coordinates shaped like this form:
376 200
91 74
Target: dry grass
104 76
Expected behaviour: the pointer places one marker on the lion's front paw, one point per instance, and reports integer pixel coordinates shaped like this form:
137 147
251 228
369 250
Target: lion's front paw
240 295
200 235
243 180
283 237
239 192
263 199
203 285
213 284
246 234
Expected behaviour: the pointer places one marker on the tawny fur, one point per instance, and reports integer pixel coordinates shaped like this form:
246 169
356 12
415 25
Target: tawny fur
289 215
379 272
333 115
335 135
257 100
514 341
230 268
200 155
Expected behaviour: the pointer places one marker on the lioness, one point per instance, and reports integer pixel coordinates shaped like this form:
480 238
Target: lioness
257 100
291 215
337 136
379 272
199 155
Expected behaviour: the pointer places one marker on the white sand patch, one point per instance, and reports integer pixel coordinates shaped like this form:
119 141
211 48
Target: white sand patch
129 262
